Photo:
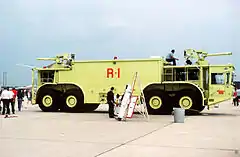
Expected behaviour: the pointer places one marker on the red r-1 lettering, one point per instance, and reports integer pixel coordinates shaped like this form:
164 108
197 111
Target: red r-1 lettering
118 72
109 72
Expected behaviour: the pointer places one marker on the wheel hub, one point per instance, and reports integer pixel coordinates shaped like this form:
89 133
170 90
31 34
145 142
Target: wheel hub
186 102
71 101
155 102
47 101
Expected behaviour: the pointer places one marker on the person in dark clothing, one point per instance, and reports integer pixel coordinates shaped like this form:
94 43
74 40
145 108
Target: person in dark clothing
20 96
235 97
110 101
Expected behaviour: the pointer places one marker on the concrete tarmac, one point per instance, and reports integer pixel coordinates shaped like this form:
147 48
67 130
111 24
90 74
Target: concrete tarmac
214 133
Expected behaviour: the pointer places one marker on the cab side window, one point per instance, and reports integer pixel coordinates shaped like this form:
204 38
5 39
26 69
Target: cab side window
217 78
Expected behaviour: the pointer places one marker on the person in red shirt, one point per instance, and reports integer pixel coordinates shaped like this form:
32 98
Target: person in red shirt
13 100
235 98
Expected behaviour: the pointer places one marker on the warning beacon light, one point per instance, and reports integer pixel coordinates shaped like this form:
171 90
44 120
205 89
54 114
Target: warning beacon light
114 58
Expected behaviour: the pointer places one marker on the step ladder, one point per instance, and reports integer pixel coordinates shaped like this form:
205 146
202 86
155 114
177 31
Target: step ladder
142 105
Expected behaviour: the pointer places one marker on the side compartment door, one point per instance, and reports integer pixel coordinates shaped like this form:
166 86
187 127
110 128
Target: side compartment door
228 85
217 87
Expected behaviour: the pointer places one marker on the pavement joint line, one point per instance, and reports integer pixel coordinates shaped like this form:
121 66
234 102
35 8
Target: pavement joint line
137 138
167 146
54 140
186 147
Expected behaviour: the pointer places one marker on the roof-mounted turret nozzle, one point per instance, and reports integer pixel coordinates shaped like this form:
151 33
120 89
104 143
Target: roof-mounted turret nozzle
201 55
220 54
59 58
65 59
47 59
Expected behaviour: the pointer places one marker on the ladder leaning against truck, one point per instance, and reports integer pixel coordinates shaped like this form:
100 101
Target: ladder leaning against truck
71 85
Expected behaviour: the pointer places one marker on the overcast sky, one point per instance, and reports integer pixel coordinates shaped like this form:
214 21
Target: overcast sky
101 29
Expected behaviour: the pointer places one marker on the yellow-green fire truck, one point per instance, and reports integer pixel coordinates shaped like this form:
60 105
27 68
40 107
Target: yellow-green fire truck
70 85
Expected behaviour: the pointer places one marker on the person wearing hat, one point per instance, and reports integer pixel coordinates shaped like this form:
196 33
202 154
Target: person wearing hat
171 58
110 101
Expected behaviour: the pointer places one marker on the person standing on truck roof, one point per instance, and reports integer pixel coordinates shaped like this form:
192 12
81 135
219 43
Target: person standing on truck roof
171 58
110 101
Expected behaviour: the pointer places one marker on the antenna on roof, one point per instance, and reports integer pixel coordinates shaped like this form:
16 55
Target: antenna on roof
24 65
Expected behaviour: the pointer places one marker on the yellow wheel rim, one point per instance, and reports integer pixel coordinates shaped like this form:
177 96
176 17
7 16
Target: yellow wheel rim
186 102
155 102
71 101
47 101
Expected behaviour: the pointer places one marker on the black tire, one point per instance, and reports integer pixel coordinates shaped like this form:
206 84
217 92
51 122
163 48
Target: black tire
73 101
190 97
154 95
90 107
47 100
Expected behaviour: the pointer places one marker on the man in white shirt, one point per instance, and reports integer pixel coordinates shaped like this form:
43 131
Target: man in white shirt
5 97
171 58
